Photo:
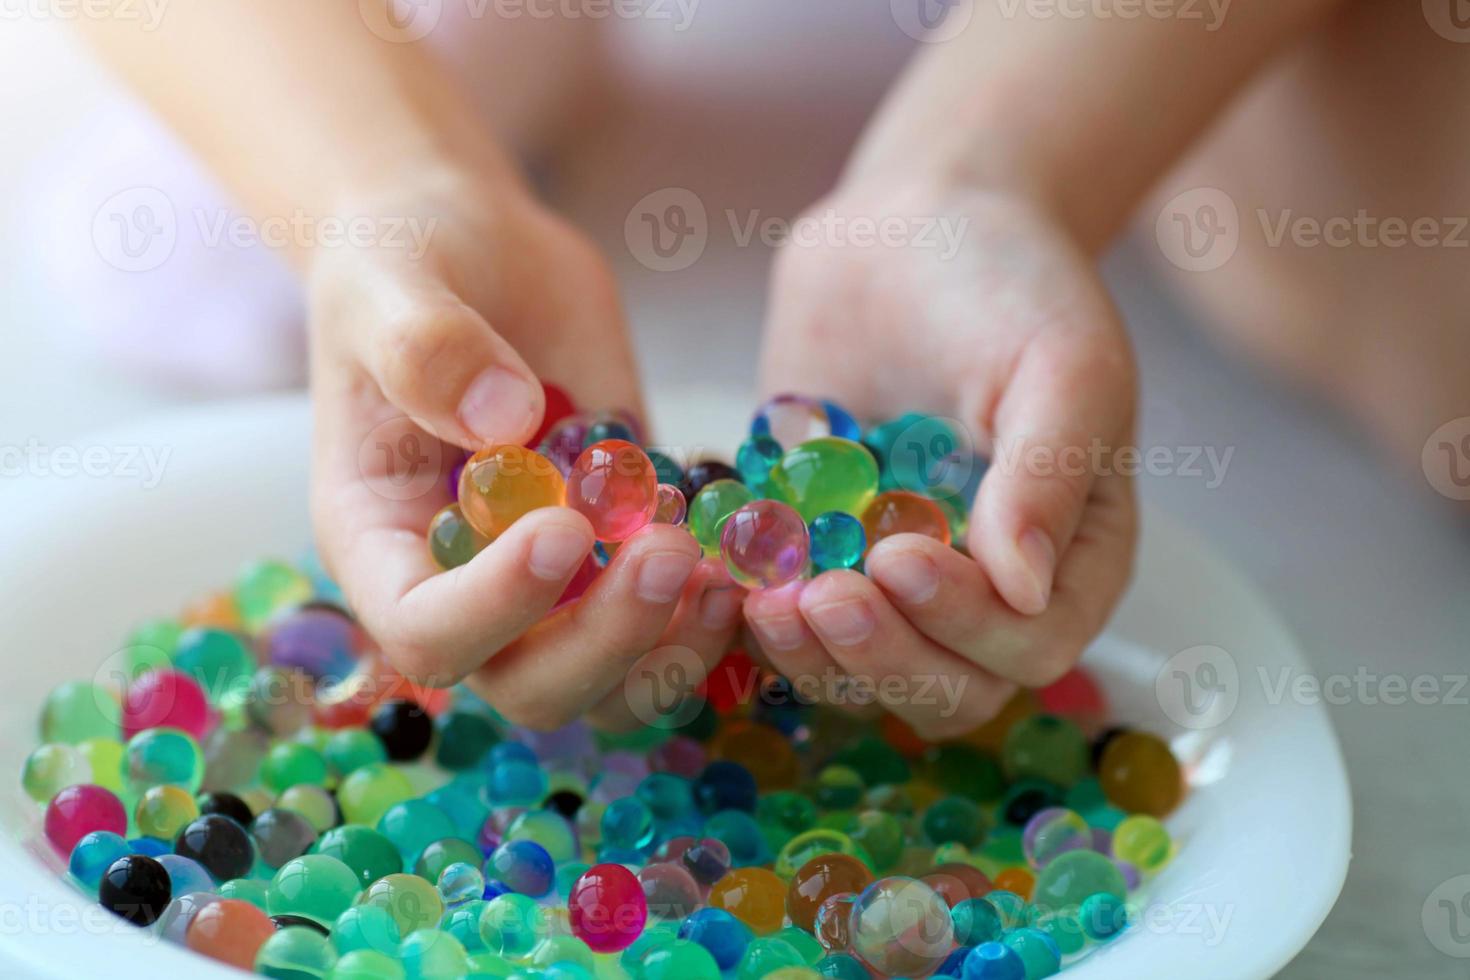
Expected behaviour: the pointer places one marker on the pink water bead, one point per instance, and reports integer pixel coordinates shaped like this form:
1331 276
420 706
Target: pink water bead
78 810
608 908
765 544
615 486
166 699
671 508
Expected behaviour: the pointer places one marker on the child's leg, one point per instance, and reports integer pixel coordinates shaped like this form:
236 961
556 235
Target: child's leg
1340 157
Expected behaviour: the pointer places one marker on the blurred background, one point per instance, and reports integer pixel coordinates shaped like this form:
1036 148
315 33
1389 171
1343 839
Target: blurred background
1362 558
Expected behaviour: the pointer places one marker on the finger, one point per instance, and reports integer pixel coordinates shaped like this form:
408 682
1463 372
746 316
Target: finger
570 661
1067 401
692 646
433 357
883 657
950 599
784 640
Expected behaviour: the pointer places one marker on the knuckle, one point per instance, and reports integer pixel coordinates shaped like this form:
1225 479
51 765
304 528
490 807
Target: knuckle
411 346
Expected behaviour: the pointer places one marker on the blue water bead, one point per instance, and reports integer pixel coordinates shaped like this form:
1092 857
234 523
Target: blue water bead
516 783
523 866
719 932
150 846
954 963
494 889
668 796
843 425
993 961
413 825
725 785
93 854
837 541
627 823
842 966
509 752
742 835
754 460
185 875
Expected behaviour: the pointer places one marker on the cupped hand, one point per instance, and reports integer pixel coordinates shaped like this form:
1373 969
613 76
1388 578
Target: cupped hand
419 354
973 306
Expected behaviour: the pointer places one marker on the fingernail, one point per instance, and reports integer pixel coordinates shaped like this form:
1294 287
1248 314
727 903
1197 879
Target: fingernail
661 575
909 575
720 607
846 623
1040 556
556 552
779 632
499 406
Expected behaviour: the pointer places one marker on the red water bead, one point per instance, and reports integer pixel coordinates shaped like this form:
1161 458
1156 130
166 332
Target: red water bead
608 908
615 486
78 810
165 699
231 931
956 882
765 544
350 702
582 580
734 678
1076 696
818 880
902 512
558 406
901 735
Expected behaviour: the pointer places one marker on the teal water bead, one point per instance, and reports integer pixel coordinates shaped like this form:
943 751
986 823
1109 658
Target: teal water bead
680 959
1046 747
367 964
842 966
766 955
825 474
412 902
265 588
349 749
1103 916
256 891
93 854
955 818
460 799
459 883
1009 906
77 710
928 455
368 853
315 886
512 924
162 757
657 934
1039 954
628 823
668 471
295 953
52 768
366 927
465 737
433 954
710 508
413 825
567 875
438 856
549 829
463 923
1065 929
1074 876
742 836
221 661
290 763
368 792
837 541
754 460
670 797
976 921
803 942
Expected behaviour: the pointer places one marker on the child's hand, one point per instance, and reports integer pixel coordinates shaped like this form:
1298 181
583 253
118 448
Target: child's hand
415 357
1011 333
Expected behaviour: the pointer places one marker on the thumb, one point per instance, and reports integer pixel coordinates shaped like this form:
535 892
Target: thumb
437 360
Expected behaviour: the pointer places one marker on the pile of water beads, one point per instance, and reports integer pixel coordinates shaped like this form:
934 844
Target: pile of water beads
810 490
252 781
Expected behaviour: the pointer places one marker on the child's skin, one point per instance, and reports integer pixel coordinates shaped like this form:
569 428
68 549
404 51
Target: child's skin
1042 134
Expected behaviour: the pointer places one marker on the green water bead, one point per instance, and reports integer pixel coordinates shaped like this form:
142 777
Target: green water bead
265 588
1085 795
105 756
547 828
1046 747
312 802
163 811
784 814
221 661
837 787
489 966
814 843
680 959
368 853
369 791
366 927
453 540
432 954
1064 928
1075 875
767 954
955 818
557 948
349 749
1039 955
256 891
151 646
711 506
463 923
296 953
464 739
316 886
440 854
512 924
367 964
1143 842
52 768
965 771
658 933
77 710
875 760
162 756
803 942
880 834
413 902
826 474
290 763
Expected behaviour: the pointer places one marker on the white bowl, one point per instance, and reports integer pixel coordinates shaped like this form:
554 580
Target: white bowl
1264 835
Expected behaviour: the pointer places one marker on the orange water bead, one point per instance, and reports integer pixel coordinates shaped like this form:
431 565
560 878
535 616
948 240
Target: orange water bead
216 610
230 930
902 512
818 880
502 483
992 735
759 748
615 486
755 896
1017 880
956 882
